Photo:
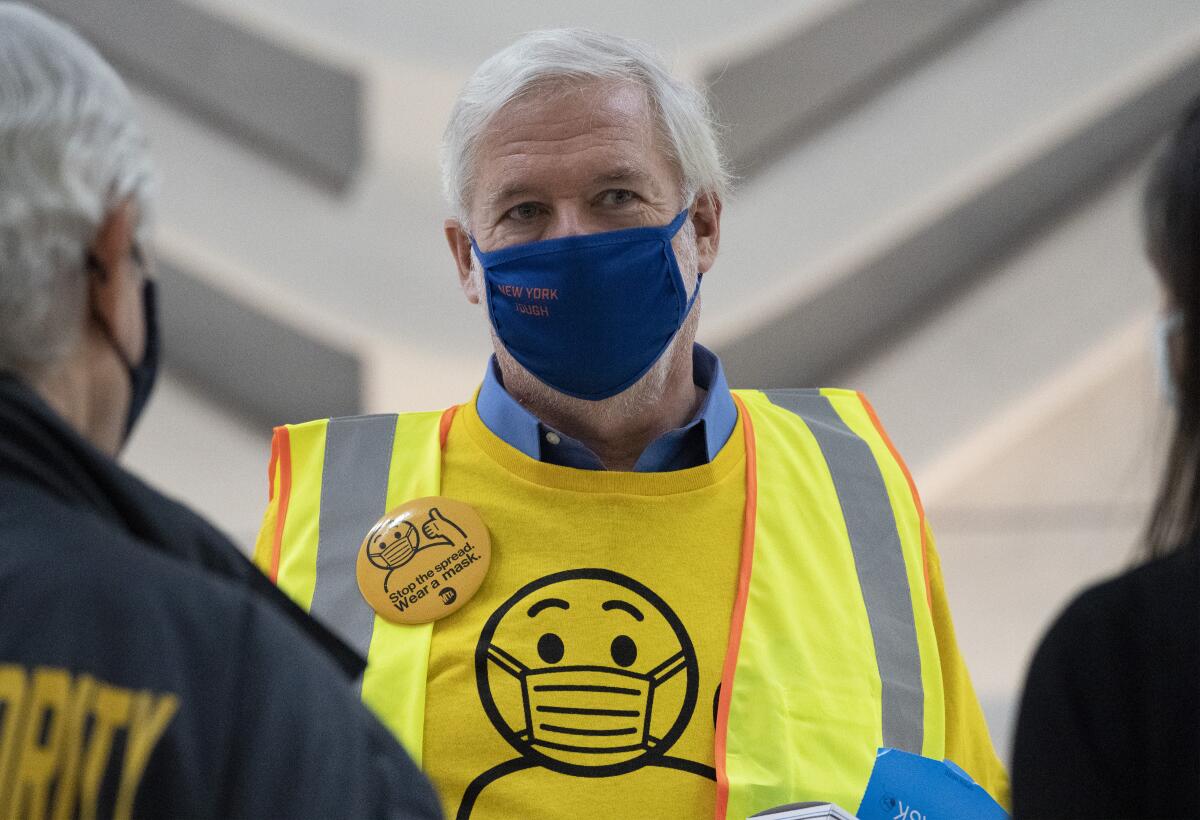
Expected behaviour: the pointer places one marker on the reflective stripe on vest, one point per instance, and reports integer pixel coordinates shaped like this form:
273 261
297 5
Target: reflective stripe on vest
836 653
878 559
331 481
833 652
354 479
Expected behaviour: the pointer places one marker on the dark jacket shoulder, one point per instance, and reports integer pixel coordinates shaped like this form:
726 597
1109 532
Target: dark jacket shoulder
1110 717
153 668
226 697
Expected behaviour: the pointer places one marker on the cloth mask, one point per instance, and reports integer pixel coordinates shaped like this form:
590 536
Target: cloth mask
1165 329
588 315
144 374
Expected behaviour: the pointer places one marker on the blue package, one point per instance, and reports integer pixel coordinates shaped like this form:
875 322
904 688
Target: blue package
905 786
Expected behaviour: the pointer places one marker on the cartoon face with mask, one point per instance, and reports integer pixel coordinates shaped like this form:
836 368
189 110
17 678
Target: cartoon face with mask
587 672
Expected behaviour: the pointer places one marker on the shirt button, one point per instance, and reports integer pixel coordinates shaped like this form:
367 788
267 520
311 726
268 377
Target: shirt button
553 438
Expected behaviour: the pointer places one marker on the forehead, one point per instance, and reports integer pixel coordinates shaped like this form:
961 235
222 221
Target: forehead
565 136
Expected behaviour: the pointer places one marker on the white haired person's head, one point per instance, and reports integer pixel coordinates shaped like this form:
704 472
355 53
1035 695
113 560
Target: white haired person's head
551 56
71 151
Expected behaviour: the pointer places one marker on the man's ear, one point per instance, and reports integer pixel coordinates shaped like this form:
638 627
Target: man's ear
706 219
109 254
460 248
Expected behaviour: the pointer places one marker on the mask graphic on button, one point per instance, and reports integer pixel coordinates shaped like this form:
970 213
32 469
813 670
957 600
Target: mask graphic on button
589 315
588 673
393 548
423 560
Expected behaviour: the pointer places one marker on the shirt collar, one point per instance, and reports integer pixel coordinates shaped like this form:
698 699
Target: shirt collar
695 443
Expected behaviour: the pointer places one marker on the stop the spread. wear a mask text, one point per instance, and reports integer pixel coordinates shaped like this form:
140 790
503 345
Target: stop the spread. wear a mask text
589 315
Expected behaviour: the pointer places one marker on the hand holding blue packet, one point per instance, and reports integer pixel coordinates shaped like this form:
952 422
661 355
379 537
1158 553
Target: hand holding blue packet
905 786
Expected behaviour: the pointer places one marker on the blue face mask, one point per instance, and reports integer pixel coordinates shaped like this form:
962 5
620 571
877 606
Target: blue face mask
588 315
1165 329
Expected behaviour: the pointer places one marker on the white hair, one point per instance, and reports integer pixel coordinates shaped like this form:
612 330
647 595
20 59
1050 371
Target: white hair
71 150
685 119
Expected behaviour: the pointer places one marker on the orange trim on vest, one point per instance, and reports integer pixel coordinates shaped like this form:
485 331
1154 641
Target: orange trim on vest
271 472
444 425
739 612
912 487
281 448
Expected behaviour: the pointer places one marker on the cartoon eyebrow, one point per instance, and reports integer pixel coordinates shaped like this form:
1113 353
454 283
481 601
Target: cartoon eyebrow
546 604
608 606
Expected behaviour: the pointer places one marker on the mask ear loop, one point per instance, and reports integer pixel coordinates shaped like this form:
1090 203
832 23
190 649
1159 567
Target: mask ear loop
92 263
1166 329
657 676
668 669
506 661
514 667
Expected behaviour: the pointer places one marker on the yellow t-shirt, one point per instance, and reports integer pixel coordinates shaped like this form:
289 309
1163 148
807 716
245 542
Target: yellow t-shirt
598 636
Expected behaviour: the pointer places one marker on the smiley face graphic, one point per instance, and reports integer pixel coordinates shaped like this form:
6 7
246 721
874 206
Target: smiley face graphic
587 672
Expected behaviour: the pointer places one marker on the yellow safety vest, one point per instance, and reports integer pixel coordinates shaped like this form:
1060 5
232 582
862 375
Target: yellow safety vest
832 576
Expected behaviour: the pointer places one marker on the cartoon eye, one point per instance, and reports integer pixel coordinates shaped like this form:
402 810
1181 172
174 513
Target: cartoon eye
624 650
550 648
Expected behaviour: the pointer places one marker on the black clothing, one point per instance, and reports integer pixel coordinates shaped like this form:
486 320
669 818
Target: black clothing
38 448
1110 718
143 658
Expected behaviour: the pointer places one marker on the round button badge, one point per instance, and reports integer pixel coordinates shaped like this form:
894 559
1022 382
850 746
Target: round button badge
423 560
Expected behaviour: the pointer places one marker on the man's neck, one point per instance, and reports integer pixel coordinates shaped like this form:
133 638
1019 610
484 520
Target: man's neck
69 389
619 439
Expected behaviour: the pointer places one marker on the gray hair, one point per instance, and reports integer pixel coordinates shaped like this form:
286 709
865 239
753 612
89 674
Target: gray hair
71 150
685 119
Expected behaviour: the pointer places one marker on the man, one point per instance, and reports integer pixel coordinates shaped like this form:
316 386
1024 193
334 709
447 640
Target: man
146 668
690 602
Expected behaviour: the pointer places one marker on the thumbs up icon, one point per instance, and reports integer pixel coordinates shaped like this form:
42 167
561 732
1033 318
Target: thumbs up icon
440 531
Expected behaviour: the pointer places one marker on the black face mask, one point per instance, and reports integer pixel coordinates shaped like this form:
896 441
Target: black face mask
144 374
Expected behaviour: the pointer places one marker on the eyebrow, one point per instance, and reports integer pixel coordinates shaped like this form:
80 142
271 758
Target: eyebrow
547 604
608 606
506 193
623 173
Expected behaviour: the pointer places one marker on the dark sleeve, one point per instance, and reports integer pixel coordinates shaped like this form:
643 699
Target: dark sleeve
304 745
1110 721
211 549
1062 765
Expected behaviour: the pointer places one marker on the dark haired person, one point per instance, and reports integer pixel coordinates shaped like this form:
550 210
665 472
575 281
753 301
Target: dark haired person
1110 719
146 668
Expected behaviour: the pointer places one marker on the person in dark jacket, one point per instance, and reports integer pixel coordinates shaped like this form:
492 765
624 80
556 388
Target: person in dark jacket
1110 718
146 668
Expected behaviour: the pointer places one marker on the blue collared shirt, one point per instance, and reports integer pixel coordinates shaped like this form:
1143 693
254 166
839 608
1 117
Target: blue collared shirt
696 443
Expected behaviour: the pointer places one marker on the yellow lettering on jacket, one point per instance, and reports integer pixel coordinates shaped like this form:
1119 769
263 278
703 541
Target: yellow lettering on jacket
68 787
151 716
13 688
57 735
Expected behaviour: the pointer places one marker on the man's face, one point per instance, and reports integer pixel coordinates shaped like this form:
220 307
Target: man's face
569 161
